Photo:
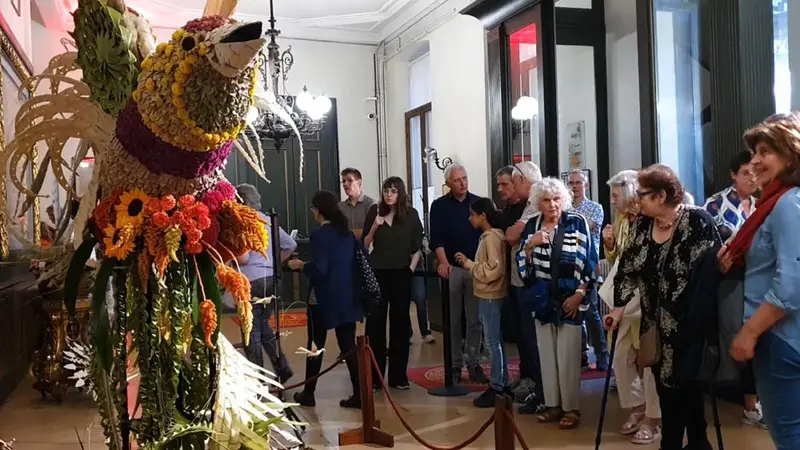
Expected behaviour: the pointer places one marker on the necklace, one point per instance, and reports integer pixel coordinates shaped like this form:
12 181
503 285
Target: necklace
666 225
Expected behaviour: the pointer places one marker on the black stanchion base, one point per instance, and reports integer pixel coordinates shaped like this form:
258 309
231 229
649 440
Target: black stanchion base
448 391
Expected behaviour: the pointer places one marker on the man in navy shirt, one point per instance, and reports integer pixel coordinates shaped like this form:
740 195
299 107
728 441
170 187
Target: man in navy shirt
451 233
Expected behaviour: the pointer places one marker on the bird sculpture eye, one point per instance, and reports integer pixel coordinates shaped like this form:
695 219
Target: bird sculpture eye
188 43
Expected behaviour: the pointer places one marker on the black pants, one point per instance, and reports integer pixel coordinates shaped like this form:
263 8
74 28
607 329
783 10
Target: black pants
528 360
262 335
748 379
682 411
345 338
396 298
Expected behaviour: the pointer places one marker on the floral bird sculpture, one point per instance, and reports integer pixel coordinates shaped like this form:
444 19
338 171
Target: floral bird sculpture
160 122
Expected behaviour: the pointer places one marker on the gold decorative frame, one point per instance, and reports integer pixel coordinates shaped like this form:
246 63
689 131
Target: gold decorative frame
10 50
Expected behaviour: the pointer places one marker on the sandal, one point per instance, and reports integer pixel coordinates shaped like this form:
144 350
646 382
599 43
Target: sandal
632 425
647 434
550 416
570 420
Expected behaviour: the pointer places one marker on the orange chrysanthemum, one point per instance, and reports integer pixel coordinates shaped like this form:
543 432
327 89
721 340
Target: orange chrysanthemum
104 214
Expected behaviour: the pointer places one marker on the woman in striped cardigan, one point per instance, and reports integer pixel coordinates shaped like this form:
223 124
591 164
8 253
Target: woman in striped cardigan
555 294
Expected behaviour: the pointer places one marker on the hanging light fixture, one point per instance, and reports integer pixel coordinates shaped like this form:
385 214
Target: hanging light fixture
308 111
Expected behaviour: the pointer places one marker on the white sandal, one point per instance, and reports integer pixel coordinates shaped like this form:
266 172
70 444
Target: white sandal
647 434
632 425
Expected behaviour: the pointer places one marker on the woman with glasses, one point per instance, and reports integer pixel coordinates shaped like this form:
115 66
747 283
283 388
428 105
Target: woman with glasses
394 231
671 241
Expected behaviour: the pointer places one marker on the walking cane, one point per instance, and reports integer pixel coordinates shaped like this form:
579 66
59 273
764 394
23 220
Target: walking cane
715 413
604 402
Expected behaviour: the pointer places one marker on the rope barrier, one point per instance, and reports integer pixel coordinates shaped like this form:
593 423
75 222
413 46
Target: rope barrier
408 428
339 360
517 432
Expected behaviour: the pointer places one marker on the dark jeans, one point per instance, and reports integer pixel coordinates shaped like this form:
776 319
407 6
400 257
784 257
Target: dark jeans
419 296
345 338
682 411
748 380
527 344
594 329
396 299
262 335
777 373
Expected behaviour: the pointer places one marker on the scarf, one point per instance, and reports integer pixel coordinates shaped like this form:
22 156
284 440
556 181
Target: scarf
744 238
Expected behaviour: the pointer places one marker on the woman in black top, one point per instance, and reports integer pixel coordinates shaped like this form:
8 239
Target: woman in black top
395 233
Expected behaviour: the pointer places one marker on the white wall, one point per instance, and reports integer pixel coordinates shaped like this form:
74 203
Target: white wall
344 72
19 22
624 127
458 97
577 104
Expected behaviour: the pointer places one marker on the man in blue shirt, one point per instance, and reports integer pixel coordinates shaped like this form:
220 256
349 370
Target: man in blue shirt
260 270
451 233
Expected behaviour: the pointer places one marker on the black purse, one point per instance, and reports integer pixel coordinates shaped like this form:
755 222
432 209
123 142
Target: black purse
366 284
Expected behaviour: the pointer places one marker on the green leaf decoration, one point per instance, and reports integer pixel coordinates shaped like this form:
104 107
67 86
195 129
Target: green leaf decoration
77 265
101 329
208 274
106 54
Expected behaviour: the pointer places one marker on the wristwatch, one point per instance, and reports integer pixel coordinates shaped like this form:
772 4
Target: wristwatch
580 291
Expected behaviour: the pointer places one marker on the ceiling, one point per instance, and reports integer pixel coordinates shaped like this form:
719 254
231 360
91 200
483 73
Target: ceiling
358 21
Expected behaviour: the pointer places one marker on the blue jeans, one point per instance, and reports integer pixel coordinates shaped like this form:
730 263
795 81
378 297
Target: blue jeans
528 346
420 298
777 370
489 312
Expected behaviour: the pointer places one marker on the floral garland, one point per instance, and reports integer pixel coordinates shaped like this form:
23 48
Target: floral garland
158 228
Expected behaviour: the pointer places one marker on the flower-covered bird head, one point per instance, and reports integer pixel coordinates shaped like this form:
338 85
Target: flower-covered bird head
195 91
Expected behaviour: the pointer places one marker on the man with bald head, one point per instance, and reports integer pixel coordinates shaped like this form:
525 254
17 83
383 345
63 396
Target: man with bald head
451 233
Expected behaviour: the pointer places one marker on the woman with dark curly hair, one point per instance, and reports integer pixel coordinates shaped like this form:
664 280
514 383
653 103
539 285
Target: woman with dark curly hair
768 246
669 240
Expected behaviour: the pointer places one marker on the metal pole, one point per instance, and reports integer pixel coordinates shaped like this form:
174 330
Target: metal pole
449 389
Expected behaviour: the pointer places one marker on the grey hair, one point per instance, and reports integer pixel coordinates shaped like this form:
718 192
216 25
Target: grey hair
688 199
505 170
453 167
553 186
627 181
249 195
529 170
581 173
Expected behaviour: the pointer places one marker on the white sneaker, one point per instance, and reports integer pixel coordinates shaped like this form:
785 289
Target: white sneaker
754 418
429 339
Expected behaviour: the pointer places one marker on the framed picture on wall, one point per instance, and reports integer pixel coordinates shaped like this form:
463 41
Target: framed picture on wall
587 173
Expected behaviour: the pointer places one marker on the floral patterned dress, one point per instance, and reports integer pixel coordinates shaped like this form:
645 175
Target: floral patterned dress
661 272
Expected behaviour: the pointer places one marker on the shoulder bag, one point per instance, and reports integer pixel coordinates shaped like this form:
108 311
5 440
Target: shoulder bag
365 283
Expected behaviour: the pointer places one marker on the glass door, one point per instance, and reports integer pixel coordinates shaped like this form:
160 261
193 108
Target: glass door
525 62
419 182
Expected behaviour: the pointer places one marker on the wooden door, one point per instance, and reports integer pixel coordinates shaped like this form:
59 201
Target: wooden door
290 197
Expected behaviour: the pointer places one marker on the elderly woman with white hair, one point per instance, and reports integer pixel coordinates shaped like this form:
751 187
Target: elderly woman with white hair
557 262
637 394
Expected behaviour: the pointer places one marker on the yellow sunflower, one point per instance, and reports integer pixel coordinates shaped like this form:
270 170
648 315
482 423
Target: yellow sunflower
118 241
130 210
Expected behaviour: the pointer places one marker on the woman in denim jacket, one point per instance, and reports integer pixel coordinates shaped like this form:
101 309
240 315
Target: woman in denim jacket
768 245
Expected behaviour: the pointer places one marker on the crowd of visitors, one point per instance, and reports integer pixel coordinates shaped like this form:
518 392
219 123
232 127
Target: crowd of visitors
537 261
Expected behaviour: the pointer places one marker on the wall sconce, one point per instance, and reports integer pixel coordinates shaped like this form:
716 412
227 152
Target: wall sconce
429 154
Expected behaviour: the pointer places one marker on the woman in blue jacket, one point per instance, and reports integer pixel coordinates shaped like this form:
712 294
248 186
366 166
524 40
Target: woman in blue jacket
768 246
334 302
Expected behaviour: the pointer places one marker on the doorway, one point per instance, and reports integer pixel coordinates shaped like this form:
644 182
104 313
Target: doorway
420 187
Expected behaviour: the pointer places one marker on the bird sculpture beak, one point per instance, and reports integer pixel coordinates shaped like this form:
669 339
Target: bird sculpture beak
237 48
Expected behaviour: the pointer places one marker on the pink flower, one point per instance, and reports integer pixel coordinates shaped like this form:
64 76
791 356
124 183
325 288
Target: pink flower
211 234
226 189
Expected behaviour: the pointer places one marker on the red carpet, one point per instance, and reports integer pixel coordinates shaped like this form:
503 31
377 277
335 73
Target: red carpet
431 377
290 319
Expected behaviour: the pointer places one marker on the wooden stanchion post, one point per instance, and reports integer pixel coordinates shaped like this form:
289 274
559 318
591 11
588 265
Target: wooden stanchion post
370 432
503 427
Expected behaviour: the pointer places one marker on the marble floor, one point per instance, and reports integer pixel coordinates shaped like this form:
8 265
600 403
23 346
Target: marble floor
38 424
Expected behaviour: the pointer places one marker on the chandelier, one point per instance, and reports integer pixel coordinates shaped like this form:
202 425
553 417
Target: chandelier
307 111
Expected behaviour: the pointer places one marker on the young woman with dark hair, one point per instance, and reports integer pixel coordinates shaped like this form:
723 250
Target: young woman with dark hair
490 284
333 304
394 231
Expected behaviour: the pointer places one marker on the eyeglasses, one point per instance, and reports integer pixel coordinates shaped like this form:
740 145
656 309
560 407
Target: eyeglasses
641 194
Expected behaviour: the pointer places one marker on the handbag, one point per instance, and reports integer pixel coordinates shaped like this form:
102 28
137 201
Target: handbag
650 341
366 283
